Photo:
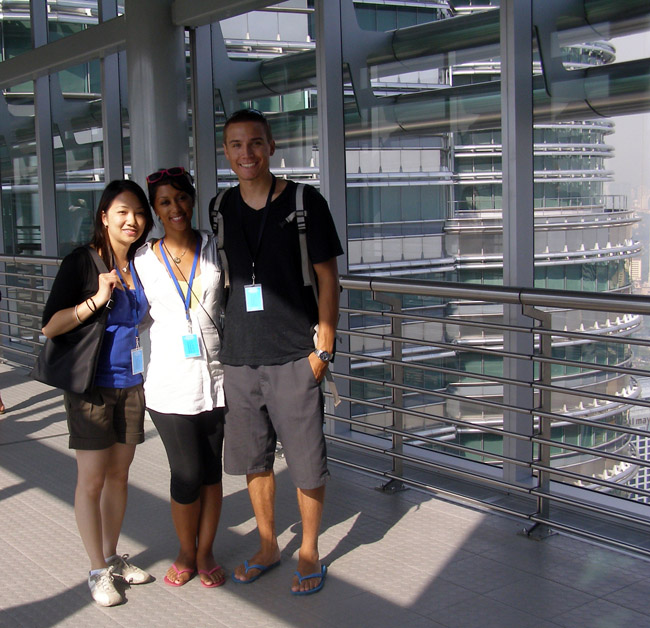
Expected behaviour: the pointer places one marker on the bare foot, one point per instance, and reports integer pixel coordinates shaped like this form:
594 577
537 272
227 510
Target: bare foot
211 574
247 572
178 574
306 567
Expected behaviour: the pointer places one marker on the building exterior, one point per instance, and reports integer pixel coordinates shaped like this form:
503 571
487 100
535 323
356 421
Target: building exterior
423 172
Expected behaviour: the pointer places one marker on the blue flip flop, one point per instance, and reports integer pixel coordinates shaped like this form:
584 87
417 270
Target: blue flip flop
321 575
263 569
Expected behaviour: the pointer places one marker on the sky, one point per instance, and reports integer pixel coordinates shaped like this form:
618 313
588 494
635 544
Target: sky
632 137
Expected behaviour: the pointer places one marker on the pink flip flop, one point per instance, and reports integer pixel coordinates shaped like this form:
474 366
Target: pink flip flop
178 571
212 585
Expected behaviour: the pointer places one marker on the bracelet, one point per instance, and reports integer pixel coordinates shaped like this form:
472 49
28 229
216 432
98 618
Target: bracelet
94 307
77 314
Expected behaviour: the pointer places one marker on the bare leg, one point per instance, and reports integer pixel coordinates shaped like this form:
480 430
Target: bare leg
261 489
186 523
91 474
114 495
310 503
211 500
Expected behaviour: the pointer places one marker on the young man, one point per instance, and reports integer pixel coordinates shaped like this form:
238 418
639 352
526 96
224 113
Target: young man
272 372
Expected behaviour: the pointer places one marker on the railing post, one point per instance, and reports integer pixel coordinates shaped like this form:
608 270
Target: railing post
397 394
541 530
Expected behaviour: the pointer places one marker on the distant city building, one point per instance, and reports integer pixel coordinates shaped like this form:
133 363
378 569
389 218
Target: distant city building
424 201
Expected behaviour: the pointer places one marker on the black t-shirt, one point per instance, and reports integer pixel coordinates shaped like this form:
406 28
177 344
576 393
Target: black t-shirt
281 332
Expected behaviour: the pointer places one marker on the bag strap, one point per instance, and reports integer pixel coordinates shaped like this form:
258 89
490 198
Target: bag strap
102 268
216 222
300 216
99 262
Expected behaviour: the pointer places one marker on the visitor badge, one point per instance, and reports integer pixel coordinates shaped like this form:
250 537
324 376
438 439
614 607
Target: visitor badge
191 346
137 361
254 302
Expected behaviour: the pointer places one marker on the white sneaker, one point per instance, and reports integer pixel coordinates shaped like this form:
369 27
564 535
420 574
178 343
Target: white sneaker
128 571
102 588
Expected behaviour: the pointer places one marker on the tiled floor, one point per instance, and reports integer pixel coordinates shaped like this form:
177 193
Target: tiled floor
406 559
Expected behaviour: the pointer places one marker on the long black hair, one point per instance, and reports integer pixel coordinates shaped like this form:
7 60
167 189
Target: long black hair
100 240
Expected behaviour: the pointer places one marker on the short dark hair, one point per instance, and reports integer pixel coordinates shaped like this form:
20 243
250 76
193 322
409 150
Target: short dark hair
100 240
183 182
249 115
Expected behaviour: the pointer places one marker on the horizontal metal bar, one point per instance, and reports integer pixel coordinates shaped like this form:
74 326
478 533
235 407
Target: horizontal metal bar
426 487
449 346
593 395
29 259
583 505
434 465
429 439
429 417
628 303
195 13
590 423
608 540
586 450
625 488
432 393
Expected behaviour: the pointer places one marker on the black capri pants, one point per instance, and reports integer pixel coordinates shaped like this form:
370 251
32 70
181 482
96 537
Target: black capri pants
193 443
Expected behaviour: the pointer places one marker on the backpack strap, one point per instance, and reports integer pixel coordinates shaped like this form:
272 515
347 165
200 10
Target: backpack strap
216 222
308 278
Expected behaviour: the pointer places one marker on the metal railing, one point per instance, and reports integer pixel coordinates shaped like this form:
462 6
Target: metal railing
583 442
420 371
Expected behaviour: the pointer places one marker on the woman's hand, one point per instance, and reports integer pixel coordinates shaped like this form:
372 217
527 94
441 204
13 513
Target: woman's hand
107 283
69 318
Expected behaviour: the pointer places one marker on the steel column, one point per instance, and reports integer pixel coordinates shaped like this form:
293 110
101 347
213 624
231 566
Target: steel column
331 151
518 221
203 130
156 68
111 103
44 131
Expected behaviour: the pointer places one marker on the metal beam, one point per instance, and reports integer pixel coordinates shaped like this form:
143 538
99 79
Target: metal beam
112 102
194 13
448 42
205 148
518 224
91 43
331 151
43 131
157 84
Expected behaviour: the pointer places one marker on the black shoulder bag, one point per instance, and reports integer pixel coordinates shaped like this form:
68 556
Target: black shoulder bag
69 361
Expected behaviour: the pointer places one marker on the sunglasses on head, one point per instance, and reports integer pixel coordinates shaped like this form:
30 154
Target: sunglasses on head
164 173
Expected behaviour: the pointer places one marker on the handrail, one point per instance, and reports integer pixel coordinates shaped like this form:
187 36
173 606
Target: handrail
391 413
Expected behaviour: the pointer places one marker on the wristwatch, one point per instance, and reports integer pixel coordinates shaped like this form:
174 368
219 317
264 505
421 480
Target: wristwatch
323 355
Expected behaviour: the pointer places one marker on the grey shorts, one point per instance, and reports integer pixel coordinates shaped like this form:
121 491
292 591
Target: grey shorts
105 416
267 403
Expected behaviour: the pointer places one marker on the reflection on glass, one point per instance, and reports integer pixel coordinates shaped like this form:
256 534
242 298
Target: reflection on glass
78 155
20 219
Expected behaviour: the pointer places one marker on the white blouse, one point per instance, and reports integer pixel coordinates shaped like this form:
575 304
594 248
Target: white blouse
173 383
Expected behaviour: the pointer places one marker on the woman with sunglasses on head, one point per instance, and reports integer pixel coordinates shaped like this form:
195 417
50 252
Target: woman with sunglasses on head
106 423
184 381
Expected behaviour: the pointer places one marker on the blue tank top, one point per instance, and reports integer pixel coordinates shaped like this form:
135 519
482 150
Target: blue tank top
114 364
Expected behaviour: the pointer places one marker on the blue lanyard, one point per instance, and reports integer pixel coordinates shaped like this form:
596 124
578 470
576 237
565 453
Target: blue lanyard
133 301
186 298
